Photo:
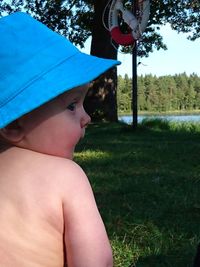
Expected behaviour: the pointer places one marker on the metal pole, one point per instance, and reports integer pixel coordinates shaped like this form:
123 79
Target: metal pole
134 87
134 79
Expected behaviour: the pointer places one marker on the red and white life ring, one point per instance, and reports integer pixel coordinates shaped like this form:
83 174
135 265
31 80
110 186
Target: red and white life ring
137 25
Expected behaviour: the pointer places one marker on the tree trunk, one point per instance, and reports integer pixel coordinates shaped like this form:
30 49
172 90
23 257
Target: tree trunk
101 101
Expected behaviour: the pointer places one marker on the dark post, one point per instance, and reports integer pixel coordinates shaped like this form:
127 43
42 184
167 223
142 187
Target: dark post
134 78
134 86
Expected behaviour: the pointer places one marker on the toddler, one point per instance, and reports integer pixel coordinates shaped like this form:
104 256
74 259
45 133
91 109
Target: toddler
48 214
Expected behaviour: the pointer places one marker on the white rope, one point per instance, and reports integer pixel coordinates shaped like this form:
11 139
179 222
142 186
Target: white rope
103 15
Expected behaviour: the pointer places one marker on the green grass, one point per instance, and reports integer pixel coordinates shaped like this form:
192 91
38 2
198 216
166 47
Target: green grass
146 183
168 112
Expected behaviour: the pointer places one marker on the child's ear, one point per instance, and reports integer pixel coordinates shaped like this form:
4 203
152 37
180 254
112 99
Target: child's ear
13 133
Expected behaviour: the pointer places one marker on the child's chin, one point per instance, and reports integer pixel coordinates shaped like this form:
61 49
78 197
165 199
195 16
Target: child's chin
83 134
69 155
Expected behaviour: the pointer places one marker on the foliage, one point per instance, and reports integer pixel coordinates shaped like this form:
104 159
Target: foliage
70 18
165 93
183 16
75 18
146 183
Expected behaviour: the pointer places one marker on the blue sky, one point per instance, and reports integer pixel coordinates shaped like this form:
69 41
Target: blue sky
182 56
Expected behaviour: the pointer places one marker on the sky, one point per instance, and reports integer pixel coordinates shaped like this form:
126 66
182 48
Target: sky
181 56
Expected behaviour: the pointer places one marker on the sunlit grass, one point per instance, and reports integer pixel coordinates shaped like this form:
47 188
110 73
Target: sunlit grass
92 155
162 124
146 183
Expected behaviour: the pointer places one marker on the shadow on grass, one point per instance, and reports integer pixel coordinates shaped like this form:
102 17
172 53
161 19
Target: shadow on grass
162 261
146 183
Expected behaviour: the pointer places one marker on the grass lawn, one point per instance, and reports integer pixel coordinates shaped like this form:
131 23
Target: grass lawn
147 186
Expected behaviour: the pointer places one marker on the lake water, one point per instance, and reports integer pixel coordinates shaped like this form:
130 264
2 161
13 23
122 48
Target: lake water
177 118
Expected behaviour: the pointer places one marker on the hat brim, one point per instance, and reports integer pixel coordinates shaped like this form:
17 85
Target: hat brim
75 71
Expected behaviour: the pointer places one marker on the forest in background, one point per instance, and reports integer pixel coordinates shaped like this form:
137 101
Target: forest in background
179 92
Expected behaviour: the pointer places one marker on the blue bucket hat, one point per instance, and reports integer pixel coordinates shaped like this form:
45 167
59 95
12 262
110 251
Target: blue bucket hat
37 64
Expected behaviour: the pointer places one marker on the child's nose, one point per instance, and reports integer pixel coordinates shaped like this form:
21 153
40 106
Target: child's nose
85 120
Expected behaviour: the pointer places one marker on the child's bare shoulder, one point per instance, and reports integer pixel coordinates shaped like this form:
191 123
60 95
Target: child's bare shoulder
64 172
59 172
50 178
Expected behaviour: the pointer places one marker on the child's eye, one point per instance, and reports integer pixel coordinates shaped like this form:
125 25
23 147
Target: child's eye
71 106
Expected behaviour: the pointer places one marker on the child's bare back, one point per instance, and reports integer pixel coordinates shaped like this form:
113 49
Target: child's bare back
31 218
43 199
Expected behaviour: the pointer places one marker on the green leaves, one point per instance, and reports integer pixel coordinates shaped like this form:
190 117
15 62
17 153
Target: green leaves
69 18
75 19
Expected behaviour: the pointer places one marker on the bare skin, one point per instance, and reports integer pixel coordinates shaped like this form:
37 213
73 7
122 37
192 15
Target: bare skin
30 227
48 214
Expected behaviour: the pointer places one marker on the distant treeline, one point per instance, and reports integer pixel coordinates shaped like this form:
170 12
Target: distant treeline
166 93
